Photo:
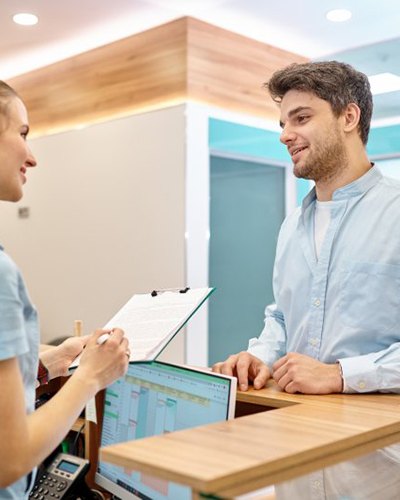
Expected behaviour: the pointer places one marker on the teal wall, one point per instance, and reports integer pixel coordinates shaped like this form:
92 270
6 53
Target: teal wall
233 138
247 207
384 140
241 256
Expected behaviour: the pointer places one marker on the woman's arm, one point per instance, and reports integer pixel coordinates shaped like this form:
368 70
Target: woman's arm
29 439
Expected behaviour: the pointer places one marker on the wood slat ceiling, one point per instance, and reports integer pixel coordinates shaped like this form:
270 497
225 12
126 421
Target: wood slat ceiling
183 60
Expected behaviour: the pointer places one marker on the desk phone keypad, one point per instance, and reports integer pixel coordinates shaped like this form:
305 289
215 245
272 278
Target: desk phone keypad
49 486
61 478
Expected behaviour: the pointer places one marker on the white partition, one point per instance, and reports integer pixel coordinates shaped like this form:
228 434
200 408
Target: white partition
106 219
117 208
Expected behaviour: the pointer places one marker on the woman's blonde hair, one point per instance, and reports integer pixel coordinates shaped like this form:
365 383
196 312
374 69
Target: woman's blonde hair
7 93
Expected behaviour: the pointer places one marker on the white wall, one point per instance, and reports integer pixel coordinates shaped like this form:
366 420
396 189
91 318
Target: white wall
107 219
109 208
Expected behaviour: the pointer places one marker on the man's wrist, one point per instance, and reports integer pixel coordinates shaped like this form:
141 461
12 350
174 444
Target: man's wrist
42 374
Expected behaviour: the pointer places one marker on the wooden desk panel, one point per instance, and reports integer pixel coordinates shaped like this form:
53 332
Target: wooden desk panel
304 433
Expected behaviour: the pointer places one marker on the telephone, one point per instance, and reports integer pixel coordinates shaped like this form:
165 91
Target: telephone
60 478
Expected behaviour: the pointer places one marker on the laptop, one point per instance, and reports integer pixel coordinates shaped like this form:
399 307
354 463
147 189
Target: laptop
152 399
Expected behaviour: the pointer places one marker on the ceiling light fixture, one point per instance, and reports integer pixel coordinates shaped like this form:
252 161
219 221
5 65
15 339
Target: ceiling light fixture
25 19
338 15
384 82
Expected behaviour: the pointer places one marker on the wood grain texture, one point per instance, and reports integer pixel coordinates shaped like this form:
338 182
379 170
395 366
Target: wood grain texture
114 80
303 434
183 60
228 70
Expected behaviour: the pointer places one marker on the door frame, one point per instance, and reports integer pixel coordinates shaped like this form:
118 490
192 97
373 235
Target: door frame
197 208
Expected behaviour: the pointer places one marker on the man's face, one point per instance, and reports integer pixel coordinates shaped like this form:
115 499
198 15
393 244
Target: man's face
313 136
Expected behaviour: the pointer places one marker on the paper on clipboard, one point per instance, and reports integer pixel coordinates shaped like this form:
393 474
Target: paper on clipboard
151 321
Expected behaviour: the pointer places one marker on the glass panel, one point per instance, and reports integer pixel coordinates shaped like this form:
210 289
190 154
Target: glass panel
247 209
375 476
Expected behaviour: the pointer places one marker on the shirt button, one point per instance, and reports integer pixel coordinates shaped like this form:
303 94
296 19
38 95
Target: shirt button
317 303
362 385
314 341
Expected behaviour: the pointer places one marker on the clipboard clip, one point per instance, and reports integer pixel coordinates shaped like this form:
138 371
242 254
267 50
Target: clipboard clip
154 293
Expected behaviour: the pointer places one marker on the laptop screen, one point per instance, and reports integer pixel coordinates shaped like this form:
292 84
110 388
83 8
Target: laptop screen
156 398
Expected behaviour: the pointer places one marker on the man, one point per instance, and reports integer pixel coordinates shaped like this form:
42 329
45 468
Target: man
336 323
335 326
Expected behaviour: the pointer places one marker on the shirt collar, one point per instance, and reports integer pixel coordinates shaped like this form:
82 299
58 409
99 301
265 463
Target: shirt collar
360 185
355 188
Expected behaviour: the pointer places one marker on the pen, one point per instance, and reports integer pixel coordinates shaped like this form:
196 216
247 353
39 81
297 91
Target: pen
104 337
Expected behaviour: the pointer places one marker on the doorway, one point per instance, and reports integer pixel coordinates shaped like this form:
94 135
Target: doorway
247 207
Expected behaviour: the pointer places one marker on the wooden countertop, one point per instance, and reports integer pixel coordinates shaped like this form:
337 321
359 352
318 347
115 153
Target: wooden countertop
301 434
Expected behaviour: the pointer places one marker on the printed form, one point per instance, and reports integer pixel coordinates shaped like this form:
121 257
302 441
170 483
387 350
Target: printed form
151 321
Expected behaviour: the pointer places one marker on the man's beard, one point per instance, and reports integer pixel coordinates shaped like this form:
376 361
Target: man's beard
327 160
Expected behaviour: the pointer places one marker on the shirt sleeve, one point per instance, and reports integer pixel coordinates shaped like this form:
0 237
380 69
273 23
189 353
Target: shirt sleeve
13 341
377 371
271 344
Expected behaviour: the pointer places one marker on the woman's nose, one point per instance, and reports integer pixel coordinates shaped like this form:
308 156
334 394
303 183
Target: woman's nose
31 160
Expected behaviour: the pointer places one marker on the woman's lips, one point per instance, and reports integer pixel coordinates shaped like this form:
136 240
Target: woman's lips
22 171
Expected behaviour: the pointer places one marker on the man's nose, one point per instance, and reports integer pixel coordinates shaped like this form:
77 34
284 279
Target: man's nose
287 135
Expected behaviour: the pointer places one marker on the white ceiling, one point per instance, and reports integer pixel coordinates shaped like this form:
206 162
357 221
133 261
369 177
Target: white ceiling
370 39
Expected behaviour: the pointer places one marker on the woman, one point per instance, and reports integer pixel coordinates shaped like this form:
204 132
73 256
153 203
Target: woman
27 437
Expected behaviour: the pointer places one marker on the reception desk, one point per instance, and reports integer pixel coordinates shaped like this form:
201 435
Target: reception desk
281 436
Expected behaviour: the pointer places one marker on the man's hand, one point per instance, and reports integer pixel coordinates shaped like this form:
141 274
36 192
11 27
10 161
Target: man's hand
299 373
245 367
58 359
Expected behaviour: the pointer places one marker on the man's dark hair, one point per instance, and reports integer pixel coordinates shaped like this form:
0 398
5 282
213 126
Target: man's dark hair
335 82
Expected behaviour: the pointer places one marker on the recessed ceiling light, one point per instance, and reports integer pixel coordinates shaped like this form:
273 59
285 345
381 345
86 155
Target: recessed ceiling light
25 19
384 82
338 15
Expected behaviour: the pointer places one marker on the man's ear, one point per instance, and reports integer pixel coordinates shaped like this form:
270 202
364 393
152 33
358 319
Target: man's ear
351 116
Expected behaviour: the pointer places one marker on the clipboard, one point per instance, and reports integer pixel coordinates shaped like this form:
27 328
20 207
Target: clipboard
150 321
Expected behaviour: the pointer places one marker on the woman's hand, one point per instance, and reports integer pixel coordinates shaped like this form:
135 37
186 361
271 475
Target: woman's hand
58 359
103 363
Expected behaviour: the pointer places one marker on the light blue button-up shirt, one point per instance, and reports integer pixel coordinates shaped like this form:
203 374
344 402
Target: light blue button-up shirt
19 337
345 306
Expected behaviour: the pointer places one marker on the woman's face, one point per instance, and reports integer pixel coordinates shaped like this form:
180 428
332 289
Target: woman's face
15 155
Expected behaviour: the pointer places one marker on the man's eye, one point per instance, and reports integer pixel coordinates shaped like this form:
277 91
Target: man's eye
302 118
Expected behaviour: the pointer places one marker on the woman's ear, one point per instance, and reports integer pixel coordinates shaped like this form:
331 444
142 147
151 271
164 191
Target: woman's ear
351 116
